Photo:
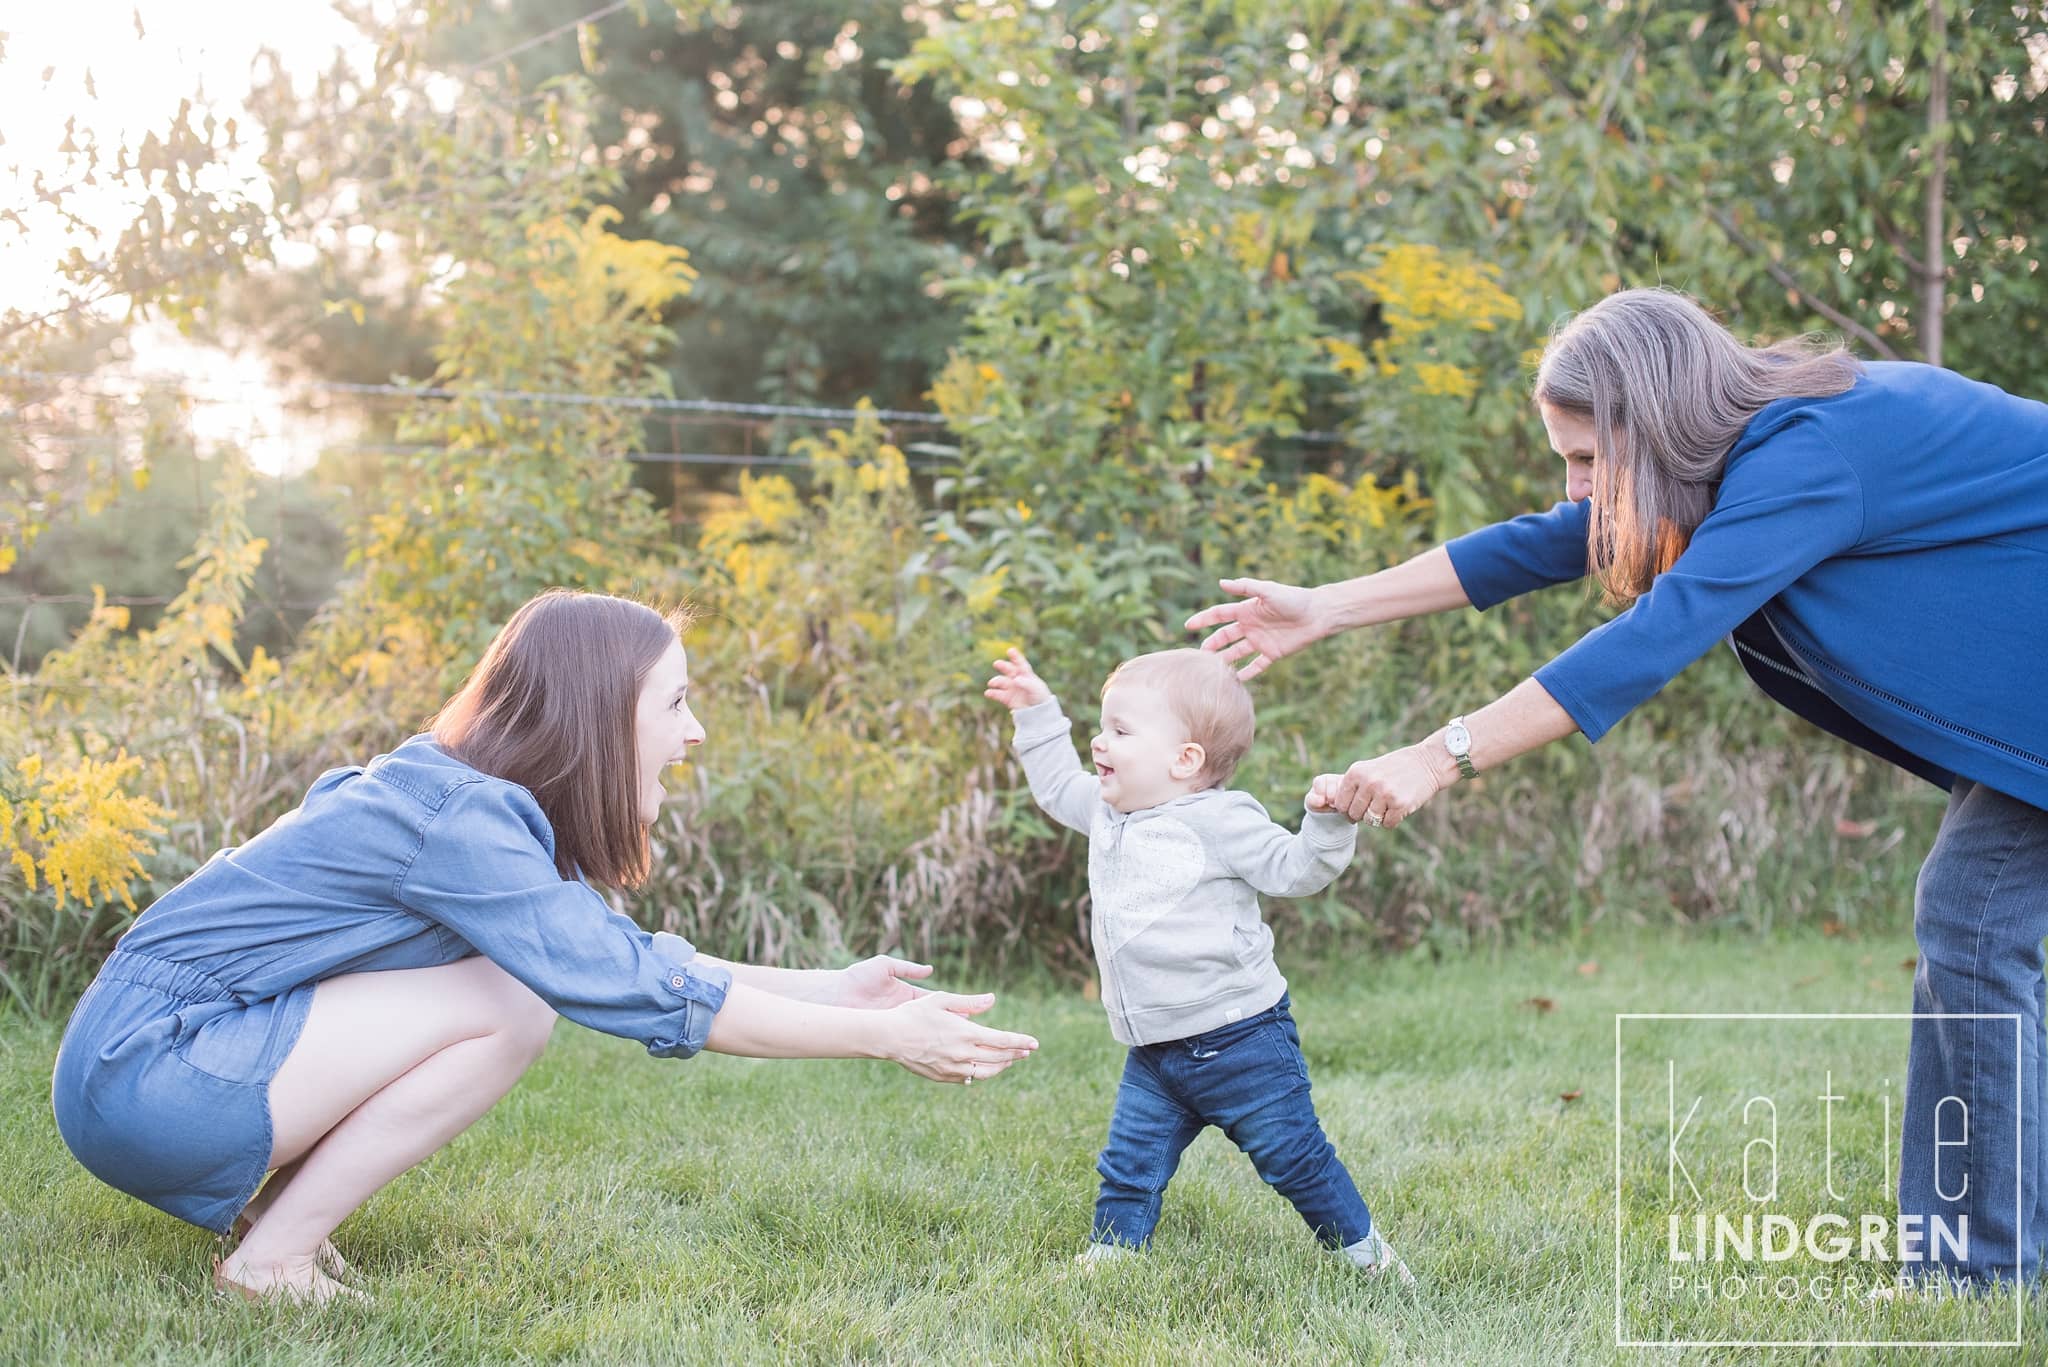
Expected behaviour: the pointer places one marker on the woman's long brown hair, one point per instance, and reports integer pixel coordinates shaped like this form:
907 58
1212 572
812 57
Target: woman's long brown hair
1668 392
552 706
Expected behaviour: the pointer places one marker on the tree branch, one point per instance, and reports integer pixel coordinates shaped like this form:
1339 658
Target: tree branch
10 327
1800 292
1908 250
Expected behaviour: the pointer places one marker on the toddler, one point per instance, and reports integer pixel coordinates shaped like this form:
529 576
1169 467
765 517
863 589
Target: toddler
1175 865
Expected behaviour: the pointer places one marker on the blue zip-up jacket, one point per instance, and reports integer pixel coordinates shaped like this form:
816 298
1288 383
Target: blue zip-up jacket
1879 560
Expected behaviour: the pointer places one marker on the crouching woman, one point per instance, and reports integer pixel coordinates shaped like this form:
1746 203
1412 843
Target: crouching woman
337 999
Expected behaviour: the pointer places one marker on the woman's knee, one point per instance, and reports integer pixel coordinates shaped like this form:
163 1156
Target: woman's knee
519 1019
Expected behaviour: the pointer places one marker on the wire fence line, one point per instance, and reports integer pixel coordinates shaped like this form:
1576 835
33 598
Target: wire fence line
31 600
751 424
737 408
729 407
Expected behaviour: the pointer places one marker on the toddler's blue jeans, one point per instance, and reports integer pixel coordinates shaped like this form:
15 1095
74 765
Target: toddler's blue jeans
1249 1080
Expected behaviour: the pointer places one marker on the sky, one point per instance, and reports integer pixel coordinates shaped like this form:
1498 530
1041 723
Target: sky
141 58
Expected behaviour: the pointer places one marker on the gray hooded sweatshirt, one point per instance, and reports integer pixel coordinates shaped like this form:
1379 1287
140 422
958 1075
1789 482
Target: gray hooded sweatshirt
1175 920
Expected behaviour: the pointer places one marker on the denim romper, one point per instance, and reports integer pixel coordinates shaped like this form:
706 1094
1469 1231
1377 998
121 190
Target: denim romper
416 859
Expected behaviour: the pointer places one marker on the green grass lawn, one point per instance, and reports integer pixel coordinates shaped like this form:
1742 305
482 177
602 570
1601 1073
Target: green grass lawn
618 1208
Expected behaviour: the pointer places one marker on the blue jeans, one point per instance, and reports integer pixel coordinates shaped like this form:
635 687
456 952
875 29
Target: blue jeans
1980 913
1249 1080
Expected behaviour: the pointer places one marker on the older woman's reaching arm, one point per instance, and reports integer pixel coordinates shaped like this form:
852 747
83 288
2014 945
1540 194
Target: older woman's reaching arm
1384 790
1271 621
1479 569
1416 587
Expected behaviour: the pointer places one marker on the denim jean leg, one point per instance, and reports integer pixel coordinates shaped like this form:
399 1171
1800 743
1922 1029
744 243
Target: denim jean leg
1974 1087
2037 1120
1148 1132
1257 1092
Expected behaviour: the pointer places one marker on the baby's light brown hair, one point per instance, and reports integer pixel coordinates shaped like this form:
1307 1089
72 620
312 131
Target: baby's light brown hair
1207 696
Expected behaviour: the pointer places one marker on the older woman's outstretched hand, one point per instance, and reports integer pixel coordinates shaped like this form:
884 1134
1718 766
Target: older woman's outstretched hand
933 1038
1383 791
1270 622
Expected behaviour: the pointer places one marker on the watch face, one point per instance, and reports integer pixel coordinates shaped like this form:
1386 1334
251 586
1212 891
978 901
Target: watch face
1457 740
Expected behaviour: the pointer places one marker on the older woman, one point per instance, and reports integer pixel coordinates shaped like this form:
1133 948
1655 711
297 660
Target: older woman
340 997
1873 541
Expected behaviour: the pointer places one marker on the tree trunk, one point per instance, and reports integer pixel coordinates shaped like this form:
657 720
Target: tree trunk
1934 281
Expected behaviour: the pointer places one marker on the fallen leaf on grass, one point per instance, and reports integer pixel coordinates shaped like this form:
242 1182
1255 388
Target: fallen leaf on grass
1589 968
1910 964
1572 1095
1541 1003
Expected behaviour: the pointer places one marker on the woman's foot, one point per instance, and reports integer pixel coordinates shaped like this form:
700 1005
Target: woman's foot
305 1282
327 1258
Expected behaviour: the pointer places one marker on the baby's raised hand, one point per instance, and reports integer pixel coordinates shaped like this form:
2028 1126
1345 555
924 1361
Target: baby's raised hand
1016 683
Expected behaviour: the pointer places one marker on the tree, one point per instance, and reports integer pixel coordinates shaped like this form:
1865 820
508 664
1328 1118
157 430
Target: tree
1836 164
194 228
131 549
775 142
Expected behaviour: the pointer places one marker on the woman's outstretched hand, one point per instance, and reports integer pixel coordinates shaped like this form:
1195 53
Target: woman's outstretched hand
1270 622
1381 792
933 1038
879 982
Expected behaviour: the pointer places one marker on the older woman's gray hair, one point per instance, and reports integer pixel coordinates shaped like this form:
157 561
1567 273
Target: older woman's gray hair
1668 391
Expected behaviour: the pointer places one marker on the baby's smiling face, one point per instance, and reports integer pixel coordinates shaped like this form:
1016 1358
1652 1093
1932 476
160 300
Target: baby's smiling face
1143 752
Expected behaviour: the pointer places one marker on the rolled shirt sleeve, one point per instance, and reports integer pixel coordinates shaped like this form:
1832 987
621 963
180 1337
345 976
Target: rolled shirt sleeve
1523 554
485 871
1782 508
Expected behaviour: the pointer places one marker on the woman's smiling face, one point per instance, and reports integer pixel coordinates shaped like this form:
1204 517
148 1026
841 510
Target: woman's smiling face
1571 436
664 728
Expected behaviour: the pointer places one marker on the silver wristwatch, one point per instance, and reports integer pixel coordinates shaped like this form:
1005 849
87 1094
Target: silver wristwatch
1458 741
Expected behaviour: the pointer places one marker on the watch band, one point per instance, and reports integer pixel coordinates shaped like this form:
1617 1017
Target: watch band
1457 727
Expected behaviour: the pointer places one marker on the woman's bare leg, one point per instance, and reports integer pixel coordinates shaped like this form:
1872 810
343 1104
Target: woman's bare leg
327 1258
388 1069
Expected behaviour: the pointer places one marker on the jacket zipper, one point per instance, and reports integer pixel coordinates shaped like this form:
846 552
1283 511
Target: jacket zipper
1750 653
1843 676
1109 967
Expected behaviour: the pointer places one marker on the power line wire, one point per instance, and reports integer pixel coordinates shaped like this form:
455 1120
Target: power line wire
557 31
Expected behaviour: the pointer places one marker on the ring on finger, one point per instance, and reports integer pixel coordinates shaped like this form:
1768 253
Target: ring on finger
968 1081
1374 818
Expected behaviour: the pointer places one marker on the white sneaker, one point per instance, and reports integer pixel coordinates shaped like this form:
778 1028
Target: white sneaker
1374 1256
1104 1253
